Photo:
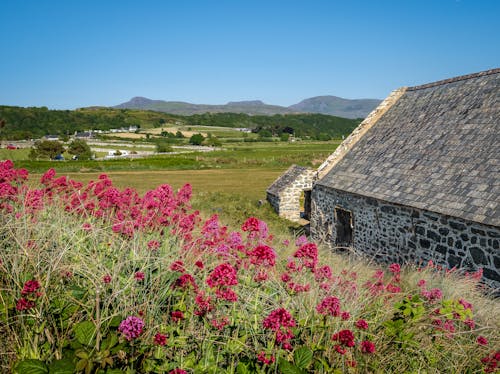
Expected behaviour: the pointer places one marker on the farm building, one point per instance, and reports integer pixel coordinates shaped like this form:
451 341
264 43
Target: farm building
418 180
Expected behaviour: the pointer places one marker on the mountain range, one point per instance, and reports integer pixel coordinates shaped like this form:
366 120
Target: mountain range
332 105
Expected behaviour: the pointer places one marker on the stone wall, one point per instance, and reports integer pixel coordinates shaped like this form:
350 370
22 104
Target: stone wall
388 233
284 194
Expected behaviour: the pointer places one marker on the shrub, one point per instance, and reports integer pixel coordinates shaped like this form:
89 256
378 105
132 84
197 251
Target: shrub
95 279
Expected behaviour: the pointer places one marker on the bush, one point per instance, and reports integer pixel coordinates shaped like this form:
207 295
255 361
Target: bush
196 139
162 147
80 149
110 281
46 149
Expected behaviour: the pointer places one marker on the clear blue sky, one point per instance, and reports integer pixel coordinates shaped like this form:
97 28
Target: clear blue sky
75 53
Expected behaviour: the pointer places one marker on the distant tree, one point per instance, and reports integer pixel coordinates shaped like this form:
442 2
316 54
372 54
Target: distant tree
162 147
81 149
196 139
46 149
179 135
284 137
265 133
288 130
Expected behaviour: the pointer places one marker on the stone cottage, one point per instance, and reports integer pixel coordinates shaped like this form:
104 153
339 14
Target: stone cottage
418 180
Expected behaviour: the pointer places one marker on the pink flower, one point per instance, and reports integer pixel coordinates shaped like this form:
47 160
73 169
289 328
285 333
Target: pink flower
322 273
262 255
481 340
30 287
330 305
223 275
361 324
203 304
177 316
87 226
177 266
345 337
309 255
139 276
262 357
421 283
395 268
160 339
345 316
131 327
24 304
199 264
367 347
251 224
106 279
153 244
225 293
185 281
278 318
177 371
219 325
465 304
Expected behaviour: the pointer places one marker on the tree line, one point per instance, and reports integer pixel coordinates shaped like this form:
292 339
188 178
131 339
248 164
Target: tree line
18 123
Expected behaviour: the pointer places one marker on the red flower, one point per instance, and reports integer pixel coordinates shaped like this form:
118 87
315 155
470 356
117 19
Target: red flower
222 275
361 324
139 276
186 280
345 316
177 371
262 255
153 244
226 294
309 254
106 279
177 266
199 264
251 224
481 340
278 318
367 347
345 337
330 305
395 268
177 315
262 357
160 339
23 304
30 286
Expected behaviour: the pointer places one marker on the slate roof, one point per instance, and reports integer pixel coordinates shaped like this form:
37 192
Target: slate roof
437 148
286 179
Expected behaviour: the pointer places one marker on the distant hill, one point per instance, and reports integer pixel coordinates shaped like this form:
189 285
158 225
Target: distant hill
183 108
331 105
337 106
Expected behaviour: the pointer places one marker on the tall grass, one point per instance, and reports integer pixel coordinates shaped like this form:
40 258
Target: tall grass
212 300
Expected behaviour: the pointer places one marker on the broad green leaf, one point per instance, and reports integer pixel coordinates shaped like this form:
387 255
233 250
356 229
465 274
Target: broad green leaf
64 366
288 368
85 332
242 368
31 367
303 357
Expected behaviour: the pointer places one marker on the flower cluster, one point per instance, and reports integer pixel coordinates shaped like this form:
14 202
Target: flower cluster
131 327
30 293
280 321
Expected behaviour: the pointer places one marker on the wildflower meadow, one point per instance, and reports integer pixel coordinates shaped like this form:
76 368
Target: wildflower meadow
94 279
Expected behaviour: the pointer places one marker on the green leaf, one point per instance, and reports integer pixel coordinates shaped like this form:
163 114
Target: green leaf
288 368
31 367
242 368
85 332
303 357
114 371
63 366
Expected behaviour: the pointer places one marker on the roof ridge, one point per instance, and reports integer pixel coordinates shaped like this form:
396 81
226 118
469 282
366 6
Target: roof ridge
455 79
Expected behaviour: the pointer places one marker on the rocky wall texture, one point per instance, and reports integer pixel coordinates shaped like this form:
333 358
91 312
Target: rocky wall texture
388 233
284 194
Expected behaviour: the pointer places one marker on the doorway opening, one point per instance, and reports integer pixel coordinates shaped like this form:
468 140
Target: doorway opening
344 226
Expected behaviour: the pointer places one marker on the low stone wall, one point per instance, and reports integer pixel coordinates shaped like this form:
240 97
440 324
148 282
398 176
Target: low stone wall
391 233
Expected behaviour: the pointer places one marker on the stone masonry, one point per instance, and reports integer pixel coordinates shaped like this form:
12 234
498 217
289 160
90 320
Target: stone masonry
388 232
284 194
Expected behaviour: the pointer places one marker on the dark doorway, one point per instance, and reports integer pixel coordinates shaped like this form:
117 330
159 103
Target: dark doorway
344 226
307 205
